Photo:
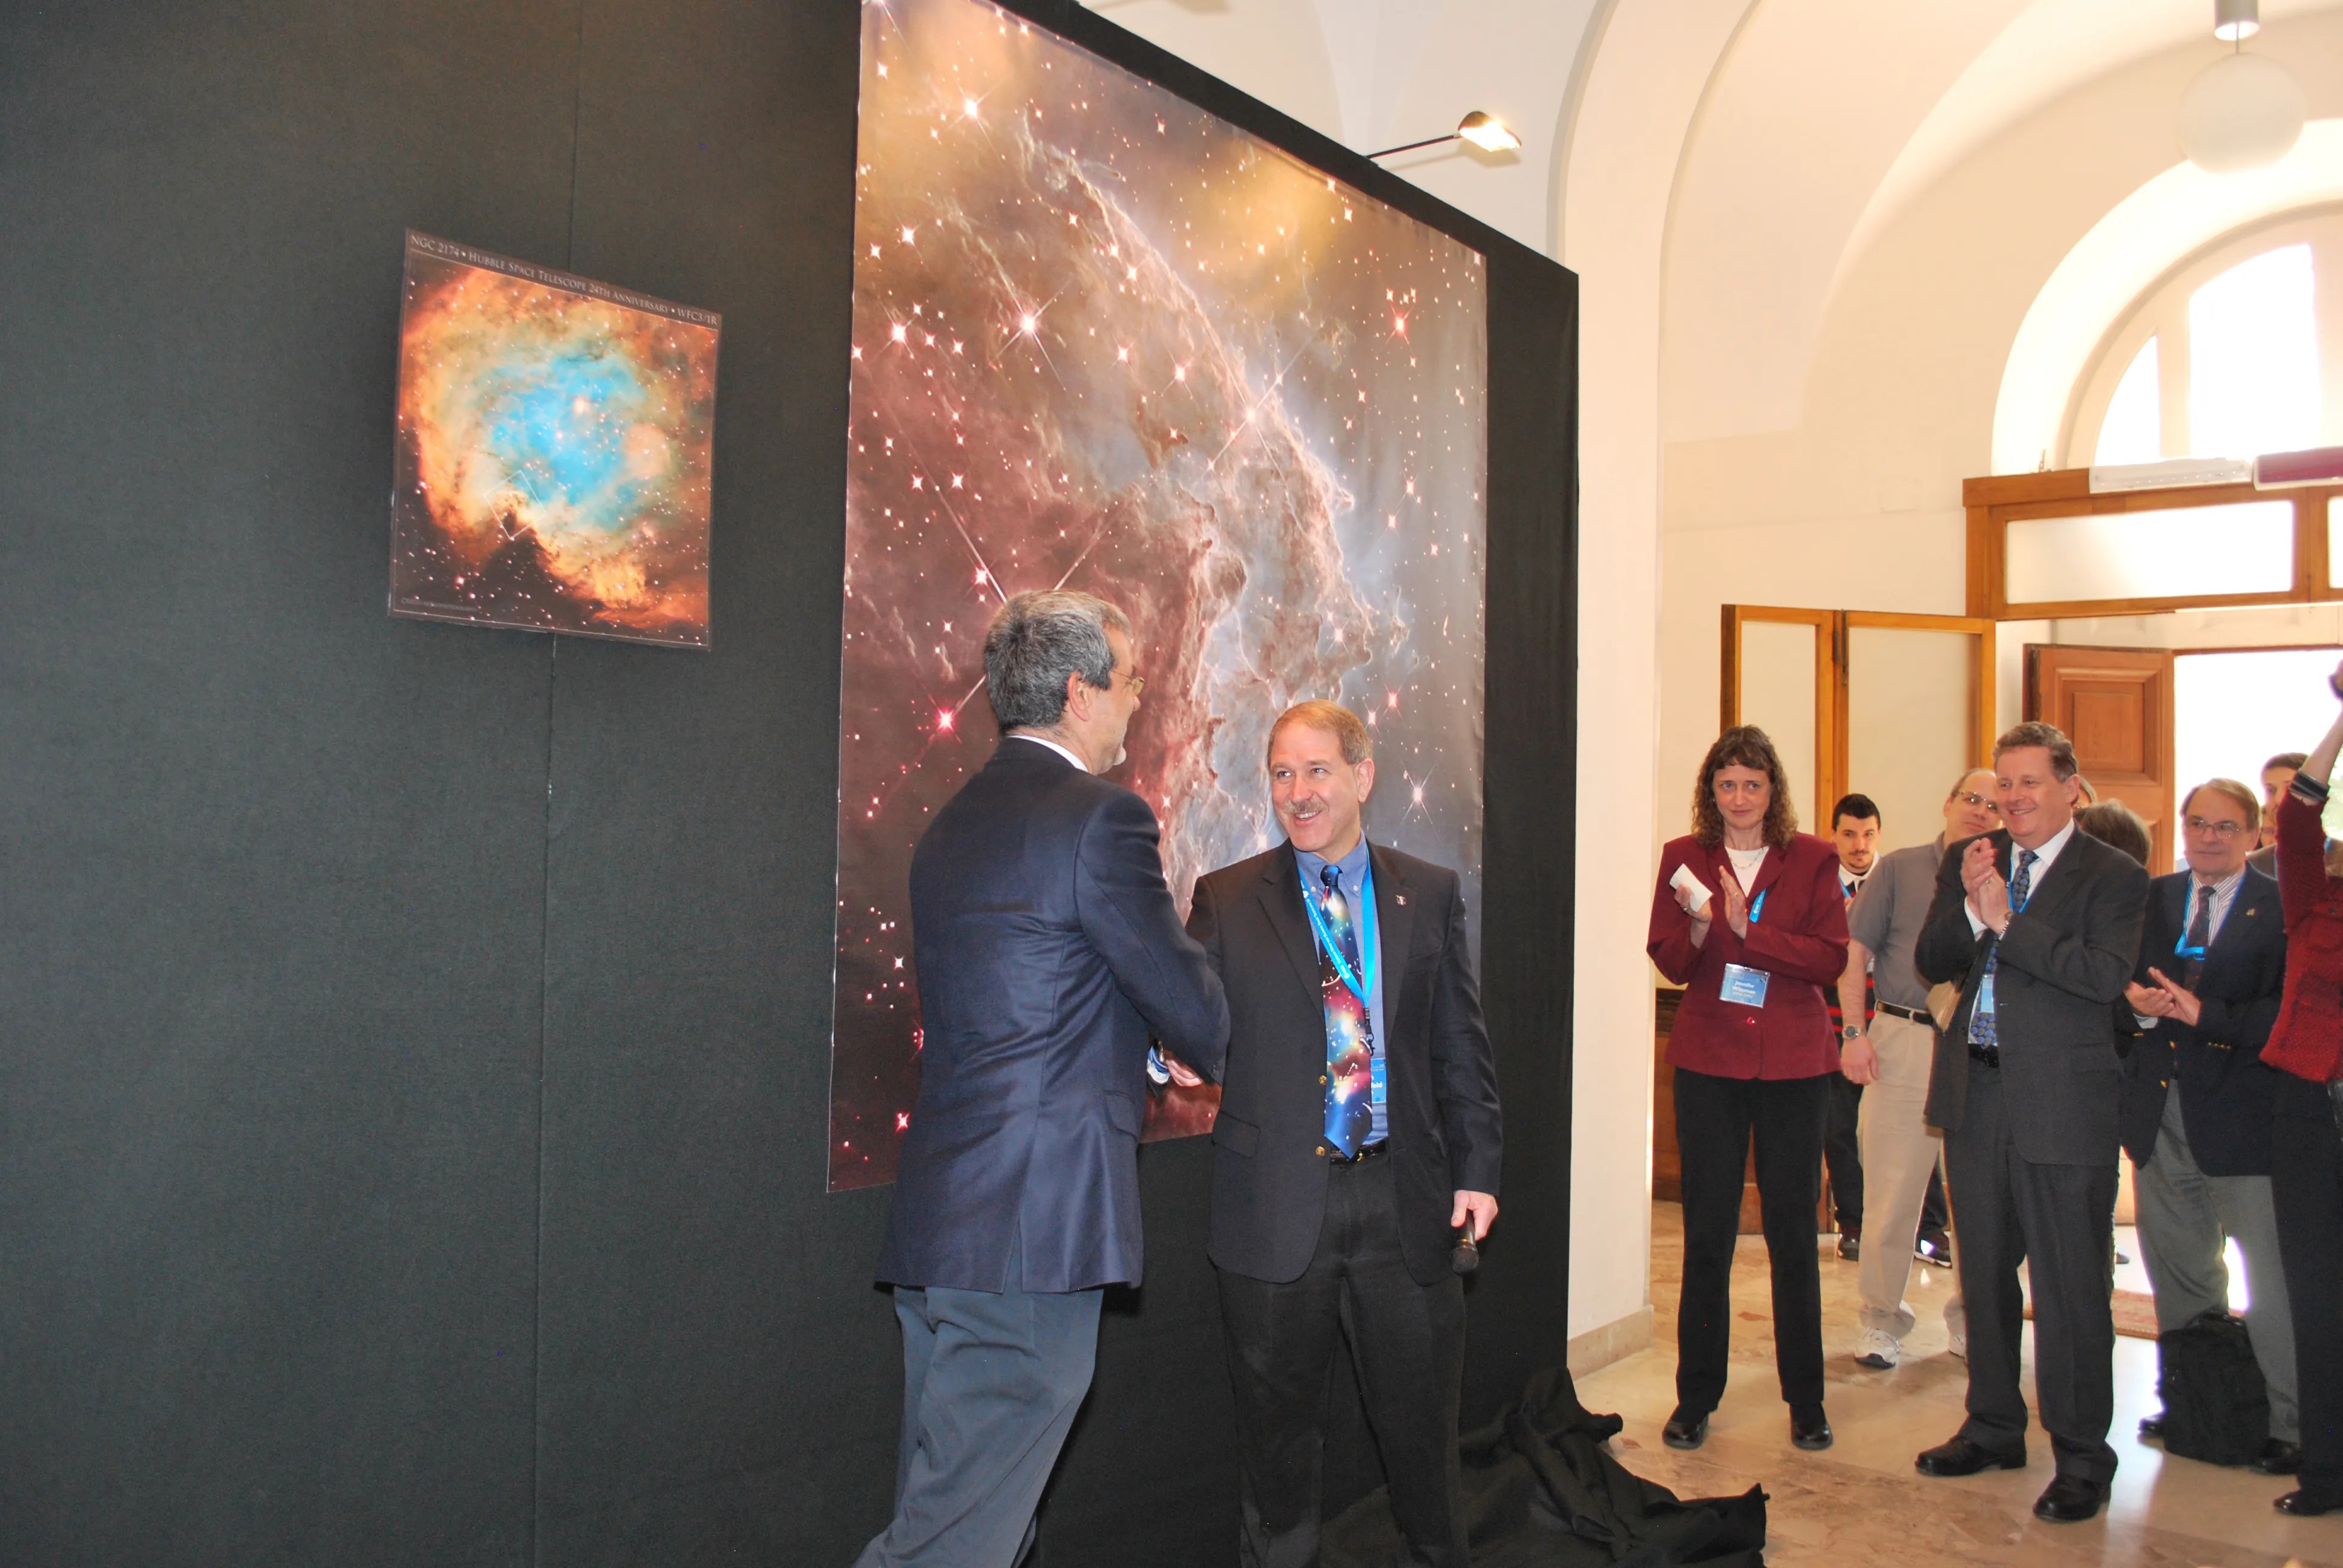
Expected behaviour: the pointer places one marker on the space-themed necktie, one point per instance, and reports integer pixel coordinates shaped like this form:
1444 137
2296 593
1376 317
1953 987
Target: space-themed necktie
1349 1033
1983 1023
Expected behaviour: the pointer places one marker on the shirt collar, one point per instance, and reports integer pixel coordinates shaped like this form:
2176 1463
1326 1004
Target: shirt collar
1354 864
1061 750
2049 851
2223 888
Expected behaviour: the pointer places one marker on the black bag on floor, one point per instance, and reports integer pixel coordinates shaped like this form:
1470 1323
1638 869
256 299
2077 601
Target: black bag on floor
1542 1491
2215 1405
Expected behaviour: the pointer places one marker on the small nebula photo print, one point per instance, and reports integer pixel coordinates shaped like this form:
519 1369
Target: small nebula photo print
555 443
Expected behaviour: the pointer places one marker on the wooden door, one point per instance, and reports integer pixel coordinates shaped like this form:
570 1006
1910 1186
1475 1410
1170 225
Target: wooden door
2115 705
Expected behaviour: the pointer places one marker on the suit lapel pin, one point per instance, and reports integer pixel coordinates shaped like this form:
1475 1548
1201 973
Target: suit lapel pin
2249 914
1398 897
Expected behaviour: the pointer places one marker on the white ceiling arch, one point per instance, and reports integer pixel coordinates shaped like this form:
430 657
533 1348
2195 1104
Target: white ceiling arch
2177 213
1825 122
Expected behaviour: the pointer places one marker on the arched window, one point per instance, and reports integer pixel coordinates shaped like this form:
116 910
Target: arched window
2237 352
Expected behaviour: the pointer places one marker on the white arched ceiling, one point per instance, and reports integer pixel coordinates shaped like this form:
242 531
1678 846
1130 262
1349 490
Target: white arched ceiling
2049 50
1827 120
1801 122
1373 74
2179 211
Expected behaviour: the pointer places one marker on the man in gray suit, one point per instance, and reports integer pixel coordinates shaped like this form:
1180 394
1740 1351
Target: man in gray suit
2040 924
1048 949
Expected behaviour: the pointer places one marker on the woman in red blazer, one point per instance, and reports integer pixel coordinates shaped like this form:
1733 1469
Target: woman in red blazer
1748 917
2306 1046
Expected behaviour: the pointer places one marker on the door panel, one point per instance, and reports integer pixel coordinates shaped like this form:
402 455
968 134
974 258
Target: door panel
1780 675
1911 724
2115 705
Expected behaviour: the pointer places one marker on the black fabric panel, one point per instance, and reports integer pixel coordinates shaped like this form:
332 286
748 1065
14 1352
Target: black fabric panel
270 864
1520 1298
721 1379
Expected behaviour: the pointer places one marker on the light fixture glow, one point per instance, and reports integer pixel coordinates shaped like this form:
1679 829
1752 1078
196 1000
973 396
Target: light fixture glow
2235 19
2242 112
1492 135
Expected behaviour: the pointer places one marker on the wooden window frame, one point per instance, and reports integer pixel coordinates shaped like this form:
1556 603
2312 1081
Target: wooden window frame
1995 503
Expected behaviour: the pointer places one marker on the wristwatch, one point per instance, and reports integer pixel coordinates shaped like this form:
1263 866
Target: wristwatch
1849 1032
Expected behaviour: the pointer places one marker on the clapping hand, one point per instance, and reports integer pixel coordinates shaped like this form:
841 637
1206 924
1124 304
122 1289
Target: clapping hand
2148 1001
1988 893
1737 905
2180 1002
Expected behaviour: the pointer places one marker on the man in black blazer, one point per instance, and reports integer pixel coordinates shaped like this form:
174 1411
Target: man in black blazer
1358 1130
1048 948
2040 923
2197 1100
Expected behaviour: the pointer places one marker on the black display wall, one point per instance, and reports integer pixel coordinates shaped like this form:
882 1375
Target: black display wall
414 1040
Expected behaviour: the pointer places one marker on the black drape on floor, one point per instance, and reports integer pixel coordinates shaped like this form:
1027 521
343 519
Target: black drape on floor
1542 1491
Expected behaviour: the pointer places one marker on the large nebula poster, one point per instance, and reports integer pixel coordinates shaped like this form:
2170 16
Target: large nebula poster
1105 340
555 441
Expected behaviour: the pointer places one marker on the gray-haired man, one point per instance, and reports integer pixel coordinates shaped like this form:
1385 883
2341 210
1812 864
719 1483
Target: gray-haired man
1048 950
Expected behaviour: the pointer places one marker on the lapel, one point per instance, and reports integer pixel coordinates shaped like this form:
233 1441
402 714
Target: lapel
1394 927
1281 900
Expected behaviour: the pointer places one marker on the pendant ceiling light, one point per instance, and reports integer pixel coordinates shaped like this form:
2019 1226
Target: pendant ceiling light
2243 111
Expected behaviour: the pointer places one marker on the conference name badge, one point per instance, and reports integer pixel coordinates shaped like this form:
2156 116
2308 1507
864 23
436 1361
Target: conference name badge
1744 985
1379 1082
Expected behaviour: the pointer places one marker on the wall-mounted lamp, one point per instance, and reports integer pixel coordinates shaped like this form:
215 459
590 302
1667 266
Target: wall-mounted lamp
1486 132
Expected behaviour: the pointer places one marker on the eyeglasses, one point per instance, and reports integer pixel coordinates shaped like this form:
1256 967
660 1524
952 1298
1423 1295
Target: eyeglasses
1137 684
1971 798
2218 829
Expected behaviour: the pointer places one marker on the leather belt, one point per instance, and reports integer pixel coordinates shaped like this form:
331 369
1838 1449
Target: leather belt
1372 1151
1989 1054
1915 1014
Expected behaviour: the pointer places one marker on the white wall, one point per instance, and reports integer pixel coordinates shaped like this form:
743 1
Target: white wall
1653 61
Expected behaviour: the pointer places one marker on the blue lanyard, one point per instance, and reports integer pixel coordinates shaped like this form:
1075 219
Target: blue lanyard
1757 910
1364 990
2181 950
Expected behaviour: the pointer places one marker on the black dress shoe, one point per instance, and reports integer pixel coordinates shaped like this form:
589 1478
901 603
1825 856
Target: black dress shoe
2070 1500
2302 1506
1961 1457
1850 1246
1809 1428
2279 1457
1685 1429
2151 1426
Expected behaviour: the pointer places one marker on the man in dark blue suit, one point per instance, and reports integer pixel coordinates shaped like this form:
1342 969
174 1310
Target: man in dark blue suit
2197 1100
1359 1128
1048 949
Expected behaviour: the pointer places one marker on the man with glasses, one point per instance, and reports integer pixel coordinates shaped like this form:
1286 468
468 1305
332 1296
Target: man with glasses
2197 1100
1892 1055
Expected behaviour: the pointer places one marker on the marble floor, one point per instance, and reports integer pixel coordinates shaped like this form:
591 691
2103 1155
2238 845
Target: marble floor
1860 1504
